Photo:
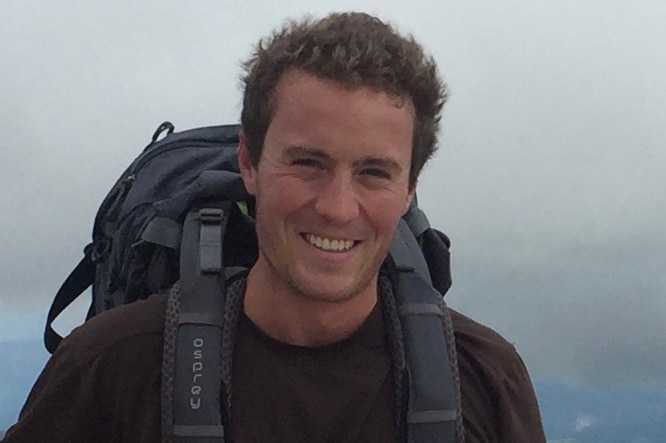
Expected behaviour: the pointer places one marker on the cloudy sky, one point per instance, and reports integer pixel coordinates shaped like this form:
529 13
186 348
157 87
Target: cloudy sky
548 180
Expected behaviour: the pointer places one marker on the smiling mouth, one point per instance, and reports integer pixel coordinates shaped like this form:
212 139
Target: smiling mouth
329 244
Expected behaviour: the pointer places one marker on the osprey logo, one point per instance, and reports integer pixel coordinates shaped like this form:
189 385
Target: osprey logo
197 373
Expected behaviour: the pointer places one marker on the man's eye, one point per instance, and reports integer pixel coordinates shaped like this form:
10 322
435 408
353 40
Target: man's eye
308 162
376 172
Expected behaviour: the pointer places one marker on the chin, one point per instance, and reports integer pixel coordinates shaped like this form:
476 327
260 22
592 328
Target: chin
331 292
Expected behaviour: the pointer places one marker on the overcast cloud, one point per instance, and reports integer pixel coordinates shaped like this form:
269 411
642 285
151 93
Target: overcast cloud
549 179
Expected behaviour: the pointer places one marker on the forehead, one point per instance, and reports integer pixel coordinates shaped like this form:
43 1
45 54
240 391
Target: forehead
297 83
321 113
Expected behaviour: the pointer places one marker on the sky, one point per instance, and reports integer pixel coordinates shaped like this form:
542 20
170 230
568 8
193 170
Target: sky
548 178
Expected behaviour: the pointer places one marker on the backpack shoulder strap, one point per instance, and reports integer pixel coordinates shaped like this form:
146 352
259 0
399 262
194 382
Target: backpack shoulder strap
194 388
433 410
416 219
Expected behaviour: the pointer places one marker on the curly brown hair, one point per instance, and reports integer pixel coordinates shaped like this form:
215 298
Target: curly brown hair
357 50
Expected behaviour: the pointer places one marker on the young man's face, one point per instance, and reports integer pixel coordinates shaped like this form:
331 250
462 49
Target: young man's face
331 185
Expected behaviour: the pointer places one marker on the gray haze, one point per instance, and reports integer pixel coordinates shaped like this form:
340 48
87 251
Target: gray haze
548 180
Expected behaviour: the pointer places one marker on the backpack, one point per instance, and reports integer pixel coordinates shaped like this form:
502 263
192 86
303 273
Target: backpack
180 214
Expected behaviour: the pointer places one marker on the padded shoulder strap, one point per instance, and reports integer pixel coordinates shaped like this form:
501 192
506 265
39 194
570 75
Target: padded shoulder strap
406 252
416 219
196 409
432 408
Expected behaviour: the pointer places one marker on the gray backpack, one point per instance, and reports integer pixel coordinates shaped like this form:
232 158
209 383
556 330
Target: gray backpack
180 213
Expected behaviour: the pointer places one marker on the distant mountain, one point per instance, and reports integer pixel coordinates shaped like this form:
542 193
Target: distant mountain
20 364
627 414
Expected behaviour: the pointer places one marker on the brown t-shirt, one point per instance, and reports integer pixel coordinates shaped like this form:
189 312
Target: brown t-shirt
103 385
337 393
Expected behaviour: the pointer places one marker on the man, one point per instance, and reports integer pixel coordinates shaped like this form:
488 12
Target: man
339 117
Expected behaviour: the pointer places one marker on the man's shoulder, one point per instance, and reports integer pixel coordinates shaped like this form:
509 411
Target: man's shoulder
498 399
138 325
102 381
484 350
473 336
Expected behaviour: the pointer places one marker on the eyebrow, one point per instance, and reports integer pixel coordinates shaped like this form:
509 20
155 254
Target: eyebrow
297 151
383 162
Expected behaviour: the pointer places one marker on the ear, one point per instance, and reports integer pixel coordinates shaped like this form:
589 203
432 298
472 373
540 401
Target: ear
247 170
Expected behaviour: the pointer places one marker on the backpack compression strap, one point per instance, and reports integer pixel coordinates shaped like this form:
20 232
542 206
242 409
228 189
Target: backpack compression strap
196 392
80 279
433 409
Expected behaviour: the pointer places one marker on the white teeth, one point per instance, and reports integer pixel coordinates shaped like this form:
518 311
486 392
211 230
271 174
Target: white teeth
328 244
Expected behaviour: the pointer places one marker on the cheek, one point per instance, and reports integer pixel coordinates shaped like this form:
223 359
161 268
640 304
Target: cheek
385 213
280 197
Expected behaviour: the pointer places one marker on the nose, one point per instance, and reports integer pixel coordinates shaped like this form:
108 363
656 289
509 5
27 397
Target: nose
338 201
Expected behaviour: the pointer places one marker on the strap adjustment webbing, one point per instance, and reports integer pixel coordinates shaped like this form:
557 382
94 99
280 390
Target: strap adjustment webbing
210 241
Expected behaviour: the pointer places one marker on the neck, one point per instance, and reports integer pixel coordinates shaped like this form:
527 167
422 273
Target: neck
297 320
